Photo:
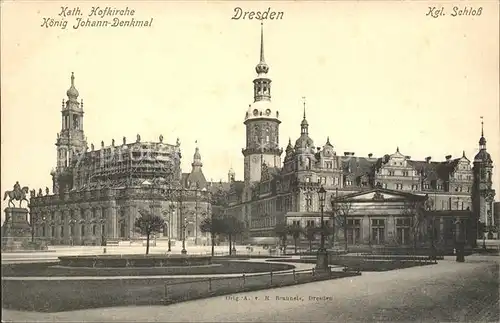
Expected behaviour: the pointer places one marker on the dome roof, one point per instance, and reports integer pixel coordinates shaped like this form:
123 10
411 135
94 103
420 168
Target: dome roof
483 155
304 123
482 141
72 92
304 141
262 68
261 109
197 154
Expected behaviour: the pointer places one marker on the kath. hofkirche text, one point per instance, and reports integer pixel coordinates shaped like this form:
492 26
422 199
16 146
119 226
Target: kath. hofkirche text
95 17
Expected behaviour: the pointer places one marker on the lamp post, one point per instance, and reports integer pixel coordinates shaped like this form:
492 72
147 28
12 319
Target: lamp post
184 225
169 213
32 220
322 258
102 222
459 241
71 223
196 196
170 230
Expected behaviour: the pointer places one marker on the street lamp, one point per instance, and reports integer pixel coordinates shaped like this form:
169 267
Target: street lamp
32 220
170 230
184 225
170 213
322 258
459 241
71 223
102 222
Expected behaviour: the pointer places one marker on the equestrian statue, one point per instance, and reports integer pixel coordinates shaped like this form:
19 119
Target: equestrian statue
17 194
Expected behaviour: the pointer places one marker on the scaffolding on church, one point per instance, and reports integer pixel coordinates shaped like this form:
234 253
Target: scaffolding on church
134 164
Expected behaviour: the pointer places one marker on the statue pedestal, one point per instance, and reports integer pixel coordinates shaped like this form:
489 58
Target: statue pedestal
16 230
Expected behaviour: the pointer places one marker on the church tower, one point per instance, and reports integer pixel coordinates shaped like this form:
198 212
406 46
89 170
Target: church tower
70 140
262 125
482 193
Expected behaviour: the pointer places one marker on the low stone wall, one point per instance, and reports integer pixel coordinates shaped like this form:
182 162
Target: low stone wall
120 261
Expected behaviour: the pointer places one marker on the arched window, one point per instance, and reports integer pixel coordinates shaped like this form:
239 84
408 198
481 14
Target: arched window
43 231
308 163
93 230
103 230
62 232
53 231
82 230
72 229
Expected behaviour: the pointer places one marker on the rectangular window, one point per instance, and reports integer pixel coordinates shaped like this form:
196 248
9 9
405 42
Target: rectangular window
336 181
310 223
329 164
353 231
405 173
378 231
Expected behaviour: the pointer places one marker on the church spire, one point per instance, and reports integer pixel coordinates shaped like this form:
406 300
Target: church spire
304 125
262 84
262 67
482 140
197 157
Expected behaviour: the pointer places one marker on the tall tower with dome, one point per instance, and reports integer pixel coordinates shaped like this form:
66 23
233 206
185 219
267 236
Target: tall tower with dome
262 125
482 191
71 142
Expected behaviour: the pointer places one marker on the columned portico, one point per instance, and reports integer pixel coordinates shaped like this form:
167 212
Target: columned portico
382 217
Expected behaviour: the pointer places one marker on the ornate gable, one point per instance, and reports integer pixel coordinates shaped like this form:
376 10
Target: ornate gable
380 194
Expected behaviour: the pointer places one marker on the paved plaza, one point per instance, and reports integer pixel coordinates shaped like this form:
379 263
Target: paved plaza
448 291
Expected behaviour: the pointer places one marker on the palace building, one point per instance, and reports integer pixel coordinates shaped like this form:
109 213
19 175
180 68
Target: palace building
371 200
97 193
383 193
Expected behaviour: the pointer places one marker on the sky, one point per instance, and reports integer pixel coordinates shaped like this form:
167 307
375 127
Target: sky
376 75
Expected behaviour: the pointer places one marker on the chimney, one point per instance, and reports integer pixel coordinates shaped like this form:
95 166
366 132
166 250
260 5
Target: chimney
448 157
408 157
370 155
428 159
346 153
351 154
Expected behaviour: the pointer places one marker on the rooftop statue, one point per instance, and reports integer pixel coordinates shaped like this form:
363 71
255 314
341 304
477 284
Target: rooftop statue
17 194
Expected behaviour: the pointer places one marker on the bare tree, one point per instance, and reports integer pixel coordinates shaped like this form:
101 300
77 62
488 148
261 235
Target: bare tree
281 231
416 212
340 212
310 233
147 224
295 231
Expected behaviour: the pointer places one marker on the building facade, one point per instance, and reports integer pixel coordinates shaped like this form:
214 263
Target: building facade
97 193
273 193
